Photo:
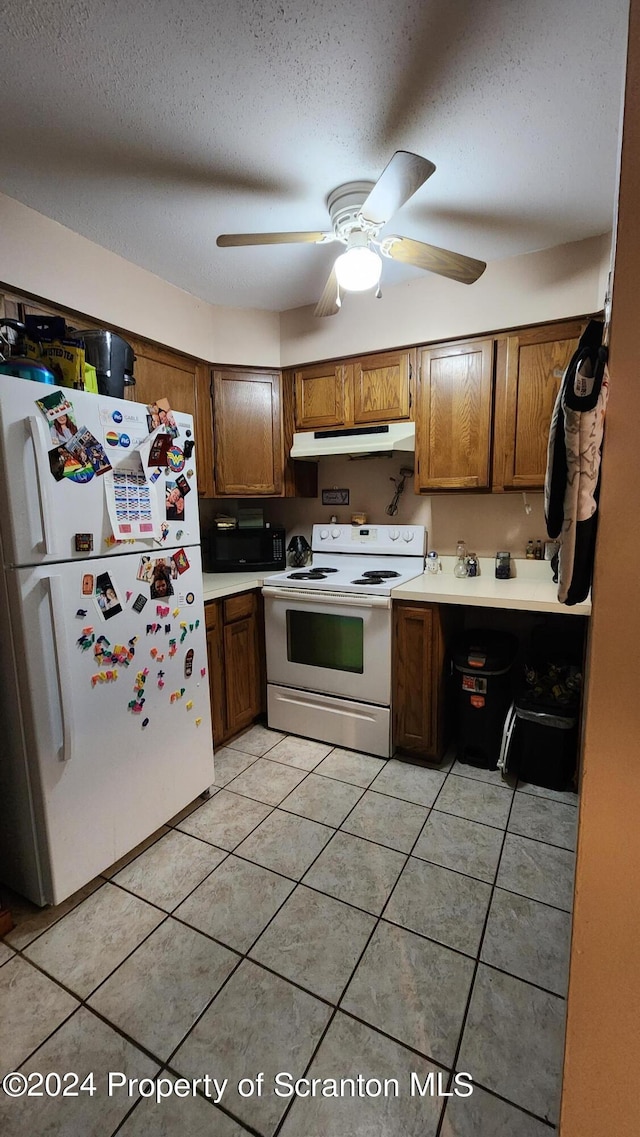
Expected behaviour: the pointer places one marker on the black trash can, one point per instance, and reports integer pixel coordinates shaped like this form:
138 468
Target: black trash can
544 745
483 661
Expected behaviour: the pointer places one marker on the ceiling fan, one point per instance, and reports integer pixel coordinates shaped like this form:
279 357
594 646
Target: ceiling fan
358 211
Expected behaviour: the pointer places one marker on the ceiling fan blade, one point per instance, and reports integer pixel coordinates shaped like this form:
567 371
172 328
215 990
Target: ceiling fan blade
226 240
399 180
330 302
430 257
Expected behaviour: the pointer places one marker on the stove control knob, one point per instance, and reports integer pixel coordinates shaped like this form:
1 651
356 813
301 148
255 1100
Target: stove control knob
324 533
407 535
335 533
394 534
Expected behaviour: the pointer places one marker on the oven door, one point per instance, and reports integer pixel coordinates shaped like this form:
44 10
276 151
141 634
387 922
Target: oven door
330 642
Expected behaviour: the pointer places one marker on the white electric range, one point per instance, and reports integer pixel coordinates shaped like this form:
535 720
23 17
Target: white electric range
328 634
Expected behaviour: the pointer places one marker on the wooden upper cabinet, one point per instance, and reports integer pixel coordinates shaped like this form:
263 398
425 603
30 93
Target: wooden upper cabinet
530 366
320 394
453 416
247 433
382 386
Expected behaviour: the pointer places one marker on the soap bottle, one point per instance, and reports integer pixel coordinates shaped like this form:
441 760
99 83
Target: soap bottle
460 567
530 551
537 552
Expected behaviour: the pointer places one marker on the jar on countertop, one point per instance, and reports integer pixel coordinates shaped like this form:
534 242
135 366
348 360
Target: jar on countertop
503 566
433 562
473 565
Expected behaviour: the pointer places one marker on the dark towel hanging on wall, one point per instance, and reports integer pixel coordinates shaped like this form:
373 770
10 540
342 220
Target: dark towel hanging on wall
572 482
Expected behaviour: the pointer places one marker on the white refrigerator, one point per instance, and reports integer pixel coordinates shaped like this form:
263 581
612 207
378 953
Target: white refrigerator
104 691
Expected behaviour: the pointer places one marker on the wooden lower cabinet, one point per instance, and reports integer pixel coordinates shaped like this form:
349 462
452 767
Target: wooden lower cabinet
235 657
419 647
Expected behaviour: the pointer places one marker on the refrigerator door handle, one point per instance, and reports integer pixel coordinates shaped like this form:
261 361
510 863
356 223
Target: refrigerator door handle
61 648
42 474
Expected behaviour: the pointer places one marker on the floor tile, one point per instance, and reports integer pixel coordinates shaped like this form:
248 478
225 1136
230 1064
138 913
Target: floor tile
85 946
82 1044
544 820
528 939
387 820
412 989
350 766
258 1022
456 843
236 902
351 1048
569 797
180 1117
256 740
323 800
228 763
170 869
477 801
133 853
356 871
491 777
31 1007
285 843
513 1041
157 994
226 820
418 784
542 872
301 752
267 781
440 904
315 941
483 1115
6 953
31 921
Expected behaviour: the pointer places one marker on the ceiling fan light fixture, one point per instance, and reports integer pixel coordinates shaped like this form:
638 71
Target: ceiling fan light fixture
358 269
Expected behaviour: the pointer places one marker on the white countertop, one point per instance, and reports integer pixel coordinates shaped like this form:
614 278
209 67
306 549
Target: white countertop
530 589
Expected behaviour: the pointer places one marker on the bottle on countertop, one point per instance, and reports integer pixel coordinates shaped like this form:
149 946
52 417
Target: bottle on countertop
530 550
537 552
503 566
473 565
460 567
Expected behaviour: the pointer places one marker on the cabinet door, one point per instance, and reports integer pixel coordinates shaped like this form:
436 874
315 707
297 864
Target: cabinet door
418 660
381 386
241 673
531 365
247 433
453 416
321 395
215 667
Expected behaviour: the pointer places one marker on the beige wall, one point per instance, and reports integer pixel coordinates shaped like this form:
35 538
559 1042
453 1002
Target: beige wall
39 256
568 280
603 1029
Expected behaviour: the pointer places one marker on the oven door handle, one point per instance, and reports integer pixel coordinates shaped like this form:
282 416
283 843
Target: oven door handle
328 599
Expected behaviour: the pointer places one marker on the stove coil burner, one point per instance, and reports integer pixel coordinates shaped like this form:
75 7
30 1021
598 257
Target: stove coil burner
370 579
313 574
381 574
324 570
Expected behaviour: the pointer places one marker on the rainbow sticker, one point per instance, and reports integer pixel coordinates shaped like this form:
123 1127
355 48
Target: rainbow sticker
112 438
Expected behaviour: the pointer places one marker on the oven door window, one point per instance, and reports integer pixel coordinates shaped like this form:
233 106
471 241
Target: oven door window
323 639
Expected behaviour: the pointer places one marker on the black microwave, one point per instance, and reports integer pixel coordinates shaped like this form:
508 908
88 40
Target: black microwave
239 550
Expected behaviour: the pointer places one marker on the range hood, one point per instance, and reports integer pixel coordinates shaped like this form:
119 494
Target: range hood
355 441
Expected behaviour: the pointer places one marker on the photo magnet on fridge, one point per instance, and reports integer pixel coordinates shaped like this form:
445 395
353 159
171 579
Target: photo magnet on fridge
58 411
139 603
174 499
63 464
145 570
89 452
160 414
164 570
107 600
159 450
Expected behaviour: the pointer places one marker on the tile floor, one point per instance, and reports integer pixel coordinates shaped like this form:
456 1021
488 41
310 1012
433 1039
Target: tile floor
324 913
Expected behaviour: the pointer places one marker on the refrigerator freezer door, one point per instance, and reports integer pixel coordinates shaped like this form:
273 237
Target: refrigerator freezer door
111 749
44 512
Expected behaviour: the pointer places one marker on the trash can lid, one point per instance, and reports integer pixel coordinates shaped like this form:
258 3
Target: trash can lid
484 650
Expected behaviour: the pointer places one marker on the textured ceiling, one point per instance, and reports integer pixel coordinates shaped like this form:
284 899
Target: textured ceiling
151 127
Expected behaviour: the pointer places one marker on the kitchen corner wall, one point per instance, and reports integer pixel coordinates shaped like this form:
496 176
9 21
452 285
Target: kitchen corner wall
487 522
